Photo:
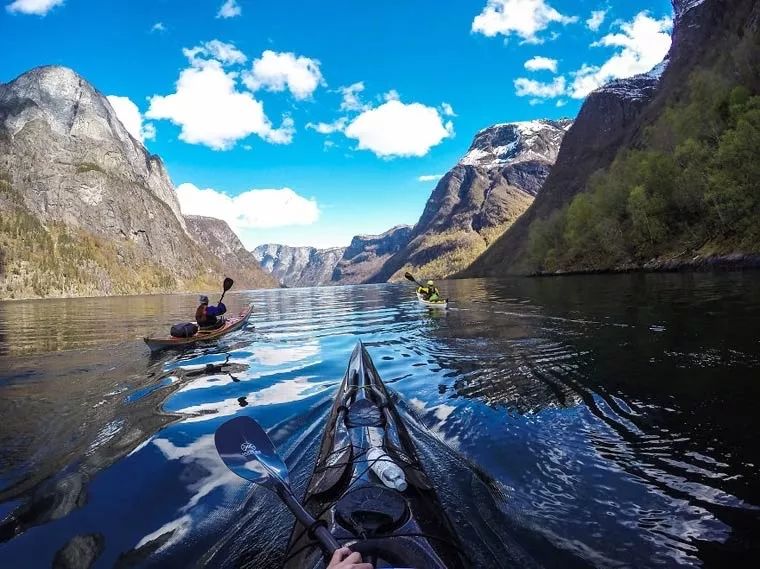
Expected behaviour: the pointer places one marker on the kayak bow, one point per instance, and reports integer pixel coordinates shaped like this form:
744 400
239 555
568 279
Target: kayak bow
368 487
231 324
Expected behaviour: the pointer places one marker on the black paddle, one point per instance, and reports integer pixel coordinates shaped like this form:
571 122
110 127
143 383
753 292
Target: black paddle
228 282
409 277
248 452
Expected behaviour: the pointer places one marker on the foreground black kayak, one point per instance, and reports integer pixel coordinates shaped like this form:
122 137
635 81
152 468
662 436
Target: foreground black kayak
231 324
368 486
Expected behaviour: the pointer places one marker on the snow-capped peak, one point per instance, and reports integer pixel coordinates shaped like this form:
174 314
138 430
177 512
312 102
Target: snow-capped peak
510 143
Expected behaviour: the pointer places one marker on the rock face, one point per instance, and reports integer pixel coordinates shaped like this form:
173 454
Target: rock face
298 266
86 209
358 263
491 186
613 118
239 263
367 254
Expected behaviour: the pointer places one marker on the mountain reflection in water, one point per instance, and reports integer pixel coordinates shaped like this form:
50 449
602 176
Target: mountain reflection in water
573 422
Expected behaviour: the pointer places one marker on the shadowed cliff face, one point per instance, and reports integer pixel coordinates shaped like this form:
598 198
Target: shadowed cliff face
368 253
490 187
615 116
87 210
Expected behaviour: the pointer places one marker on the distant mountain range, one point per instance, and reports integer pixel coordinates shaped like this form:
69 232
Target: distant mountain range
473 204
86 210
357 263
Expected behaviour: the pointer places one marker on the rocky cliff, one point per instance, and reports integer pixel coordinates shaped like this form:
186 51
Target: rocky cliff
239 263
647 120
358 263
475 202
367 254
86 210
298 266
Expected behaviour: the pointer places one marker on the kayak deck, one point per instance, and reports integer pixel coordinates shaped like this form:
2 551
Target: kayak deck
443 303
231 324
391 525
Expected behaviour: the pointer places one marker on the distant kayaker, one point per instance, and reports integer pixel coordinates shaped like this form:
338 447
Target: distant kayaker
208 317
343 558
429 292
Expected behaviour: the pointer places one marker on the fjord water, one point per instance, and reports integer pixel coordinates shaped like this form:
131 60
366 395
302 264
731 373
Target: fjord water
567 422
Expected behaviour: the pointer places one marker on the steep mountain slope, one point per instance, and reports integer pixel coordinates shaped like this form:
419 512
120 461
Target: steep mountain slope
86 210
217 237
648 158
367 254
298 266
490 187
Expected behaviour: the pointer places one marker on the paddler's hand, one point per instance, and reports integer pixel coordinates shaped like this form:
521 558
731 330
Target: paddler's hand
344 558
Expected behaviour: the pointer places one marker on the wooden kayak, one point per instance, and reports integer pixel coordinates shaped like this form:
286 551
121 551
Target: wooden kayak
442 303
231 324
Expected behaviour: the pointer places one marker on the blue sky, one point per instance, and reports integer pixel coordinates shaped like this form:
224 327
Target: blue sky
259 89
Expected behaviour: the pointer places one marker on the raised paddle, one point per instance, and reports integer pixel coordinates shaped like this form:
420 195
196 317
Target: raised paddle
409 277
248 452
227 285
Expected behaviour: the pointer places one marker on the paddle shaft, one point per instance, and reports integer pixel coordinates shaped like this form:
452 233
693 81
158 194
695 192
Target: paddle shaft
409 277
323 535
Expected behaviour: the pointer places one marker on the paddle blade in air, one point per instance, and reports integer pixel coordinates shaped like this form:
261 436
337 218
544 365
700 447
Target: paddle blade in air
228 282
246 450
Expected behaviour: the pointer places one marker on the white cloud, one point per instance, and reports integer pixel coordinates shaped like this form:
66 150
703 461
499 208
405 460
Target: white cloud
447 110
429 178
229 9
644 42
524 18
277 71
328 128
596 20
398 129
539 63
351 100
36 7
391 95
525 87
265 208
561 103
158 27
130 117
211 111
224 53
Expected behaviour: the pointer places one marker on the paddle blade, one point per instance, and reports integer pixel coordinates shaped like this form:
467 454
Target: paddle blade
409 277
228 282
247 450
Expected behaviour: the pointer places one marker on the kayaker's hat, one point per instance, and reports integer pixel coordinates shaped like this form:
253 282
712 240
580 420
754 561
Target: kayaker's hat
430 283
203 299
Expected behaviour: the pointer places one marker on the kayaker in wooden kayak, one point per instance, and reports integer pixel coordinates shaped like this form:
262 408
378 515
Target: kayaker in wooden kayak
209 317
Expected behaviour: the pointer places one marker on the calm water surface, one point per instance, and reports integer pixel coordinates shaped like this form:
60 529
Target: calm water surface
606 421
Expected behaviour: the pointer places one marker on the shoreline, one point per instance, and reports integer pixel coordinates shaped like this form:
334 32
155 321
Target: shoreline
696 264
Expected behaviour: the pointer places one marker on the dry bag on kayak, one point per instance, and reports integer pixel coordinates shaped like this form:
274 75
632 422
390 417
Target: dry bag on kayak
185 330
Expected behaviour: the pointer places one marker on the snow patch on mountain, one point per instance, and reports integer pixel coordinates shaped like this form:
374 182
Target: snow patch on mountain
512 143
